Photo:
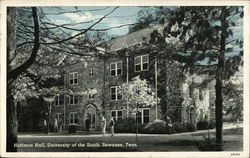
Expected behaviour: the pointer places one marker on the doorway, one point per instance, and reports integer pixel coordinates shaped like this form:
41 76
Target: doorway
90 112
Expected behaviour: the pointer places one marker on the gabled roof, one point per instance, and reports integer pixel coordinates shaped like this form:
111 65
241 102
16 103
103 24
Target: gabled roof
134 38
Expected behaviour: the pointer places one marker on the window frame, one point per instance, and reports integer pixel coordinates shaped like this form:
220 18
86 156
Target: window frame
57 100
74 78
91 73
141 63
142 114
73 99
116 93
115 69
116 114
74 114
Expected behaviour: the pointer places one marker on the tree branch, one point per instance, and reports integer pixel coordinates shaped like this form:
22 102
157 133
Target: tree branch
17 71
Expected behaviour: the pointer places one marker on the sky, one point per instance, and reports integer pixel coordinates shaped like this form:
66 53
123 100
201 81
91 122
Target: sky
122 15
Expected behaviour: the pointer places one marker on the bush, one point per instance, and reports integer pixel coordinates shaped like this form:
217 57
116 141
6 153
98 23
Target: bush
72 128
157 127
190 127
125 126
201 125
178 127
211 125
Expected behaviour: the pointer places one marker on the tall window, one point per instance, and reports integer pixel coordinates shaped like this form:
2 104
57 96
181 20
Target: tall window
59 100
116 114
143 116
114 95
73 99
73 118
200 94
91 72
73 78
116 68
141 63
190 92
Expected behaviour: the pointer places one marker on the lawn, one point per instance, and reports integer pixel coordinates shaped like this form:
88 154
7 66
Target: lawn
233 141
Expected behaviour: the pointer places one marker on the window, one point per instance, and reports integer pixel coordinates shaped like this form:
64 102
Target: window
116 68
73 118
143 116
116 114
73 99
141 63
91 72
200 94
190 92
91 96
58 116
73 78
114 95
59 100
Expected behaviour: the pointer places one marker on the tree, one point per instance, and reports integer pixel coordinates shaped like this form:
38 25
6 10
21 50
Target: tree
138 94
206 33
30 34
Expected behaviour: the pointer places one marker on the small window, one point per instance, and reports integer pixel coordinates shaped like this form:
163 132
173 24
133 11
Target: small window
143 116
114 95
116 114
91 96
59 100
73 99
91 72
200 94
190 92
141 63
73 78
116 68
73 118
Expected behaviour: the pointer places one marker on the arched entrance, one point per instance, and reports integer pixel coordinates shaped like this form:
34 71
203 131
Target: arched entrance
90 112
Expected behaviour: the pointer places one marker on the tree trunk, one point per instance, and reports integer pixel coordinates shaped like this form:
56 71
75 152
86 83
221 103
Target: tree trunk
218 86
11 104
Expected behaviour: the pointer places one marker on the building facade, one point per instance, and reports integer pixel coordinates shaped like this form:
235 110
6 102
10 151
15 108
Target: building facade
93 84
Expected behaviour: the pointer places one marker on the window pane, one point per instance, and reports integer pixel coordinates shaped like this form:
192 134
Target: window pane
112 66
113 113
137 60
75 81
145 59
113 90
76 99
146 112
137 67
119 115
119 96
113 97
119 71
146 119
75 75
71 81
71 99
112 72
119 65
145 66
71 76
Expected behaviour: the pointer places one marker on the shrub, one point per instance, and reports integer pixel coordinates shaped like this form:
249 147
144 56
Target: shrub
190 127
178 127
201 125
72 128
211 125
157 126
125 126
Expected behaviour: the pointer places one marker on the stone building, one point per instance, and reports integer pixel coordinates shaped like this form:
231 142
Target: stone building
94 82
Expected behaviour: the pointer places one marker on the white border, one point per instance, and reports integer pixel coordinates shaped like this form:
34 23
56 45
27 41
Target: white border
5 3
